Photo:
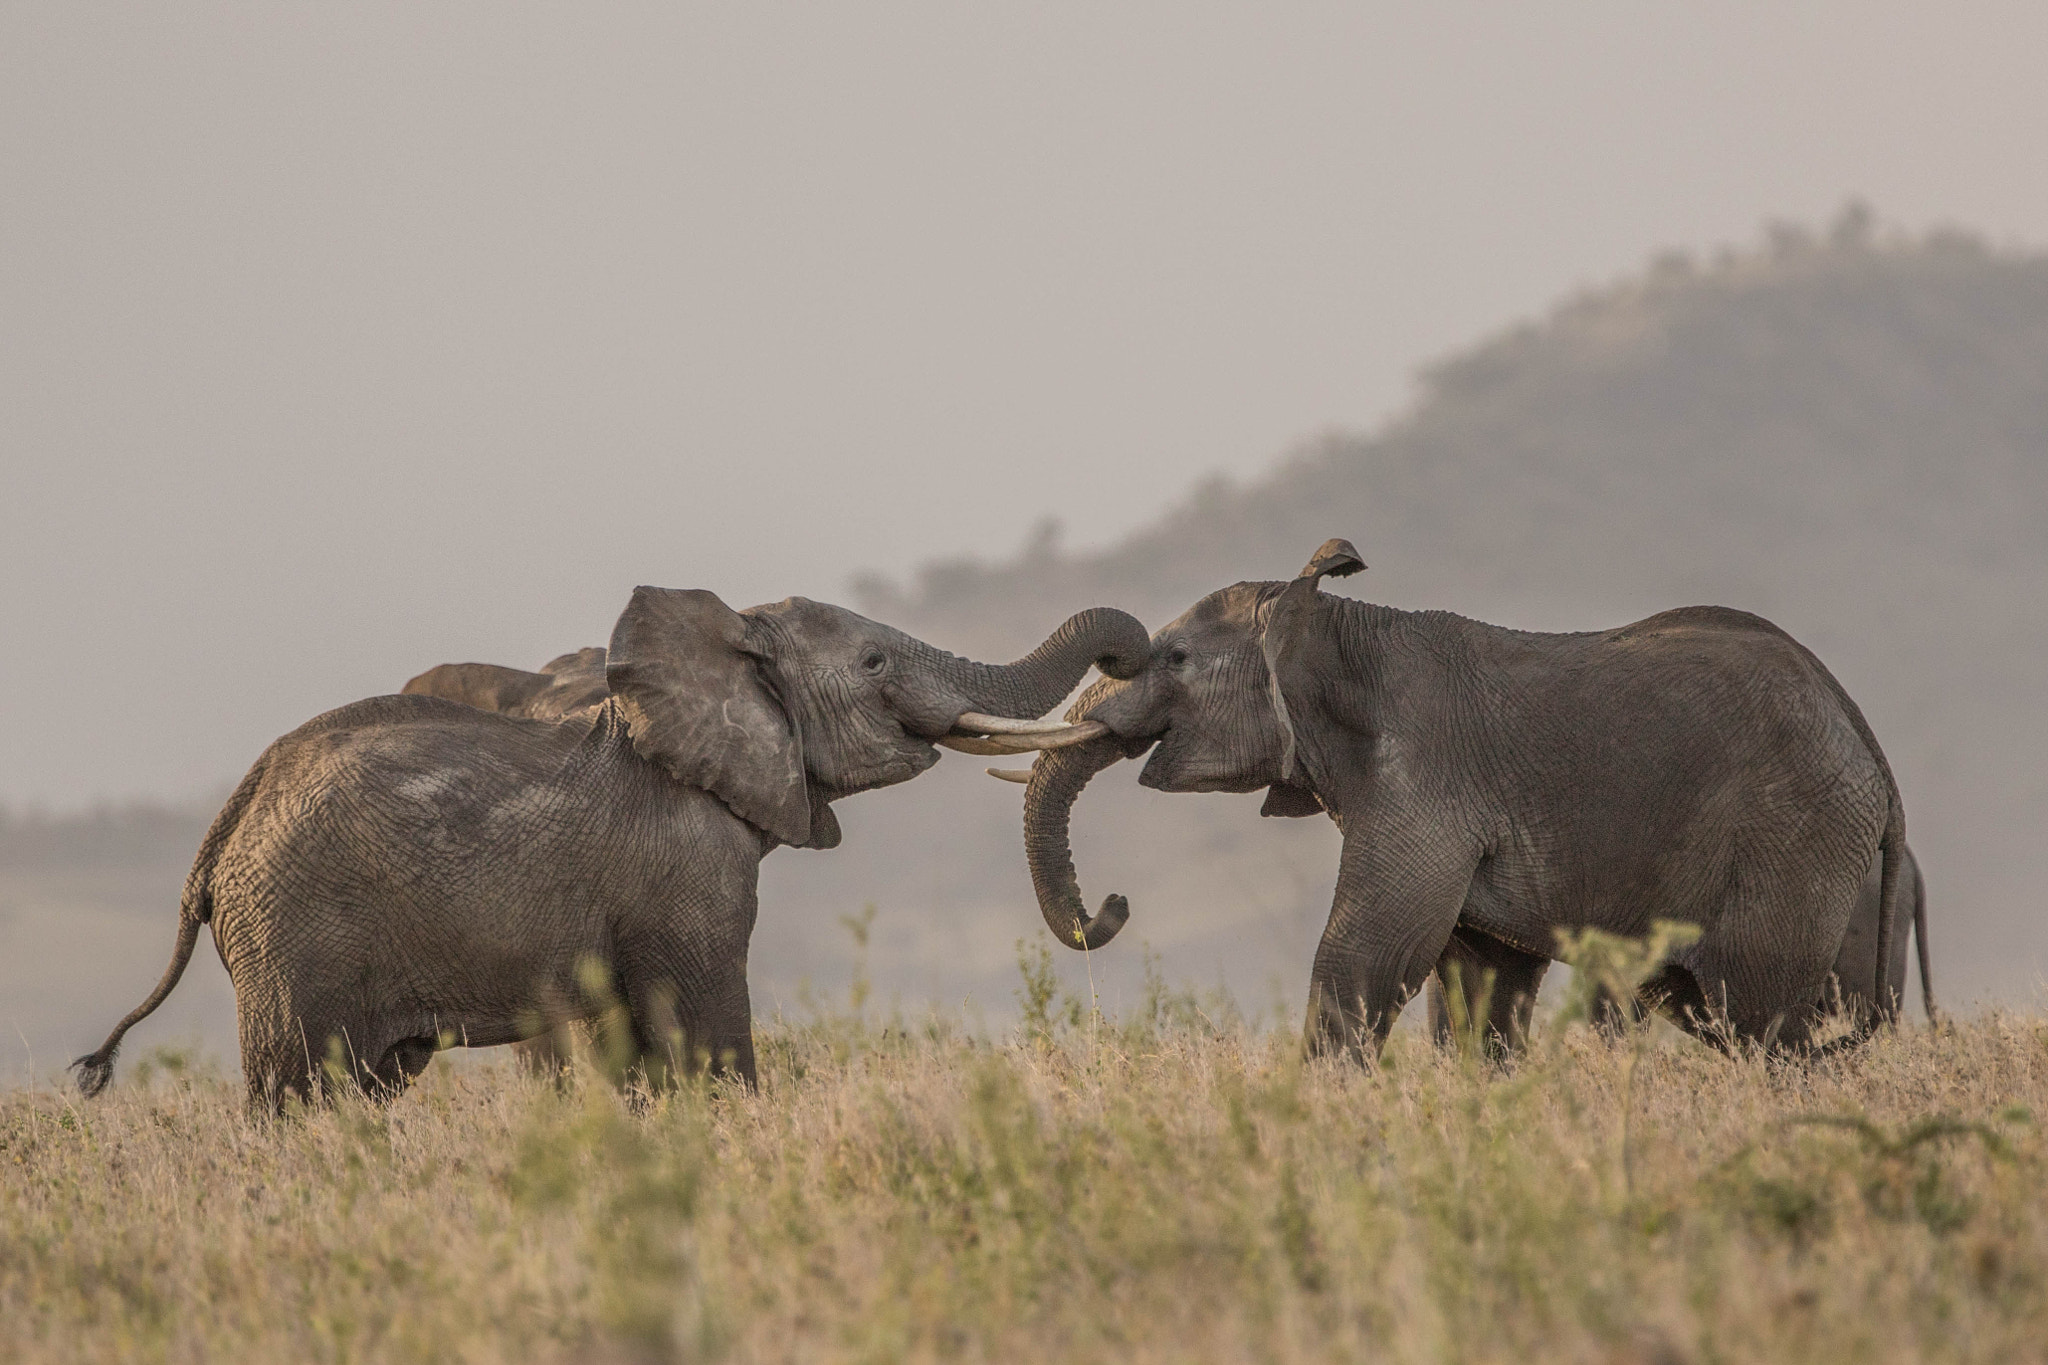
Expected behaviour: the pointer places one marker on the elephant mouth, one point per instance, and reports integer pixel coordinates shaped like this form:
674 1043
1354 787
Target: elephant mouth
1178 764
912 756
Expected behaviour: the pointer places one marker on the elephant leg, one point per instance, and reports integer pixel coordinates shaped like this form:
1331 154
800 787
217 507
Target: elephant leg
689 1006
1761 965
1852 990
1496 982
1675 993
1399 891
399 1066
304 1060
281 1058
1613 1014
678 1032
276 1067
548 1055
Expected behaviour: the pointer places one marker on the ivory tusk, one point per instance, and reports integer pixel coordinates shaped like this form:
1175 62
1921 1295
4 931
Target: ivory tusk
975 723
1068 736
1019 775
968 744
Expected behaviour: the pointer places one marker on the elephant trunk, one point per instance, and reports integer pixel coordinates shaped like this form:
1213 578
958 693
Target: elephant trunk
1057 778
1113 640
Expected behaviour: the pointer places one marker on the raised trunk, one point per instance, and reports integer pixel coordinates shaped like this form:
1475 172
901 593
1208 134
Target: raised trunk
1056 782
1100 636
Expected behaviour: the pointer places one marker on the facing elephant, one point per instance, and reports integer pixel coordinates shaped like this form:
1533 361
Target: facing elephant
409 873
1494 786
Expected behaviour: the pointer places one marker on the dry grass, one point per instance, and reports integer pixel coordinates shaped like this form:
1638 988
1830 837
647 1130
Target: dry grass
1162 1189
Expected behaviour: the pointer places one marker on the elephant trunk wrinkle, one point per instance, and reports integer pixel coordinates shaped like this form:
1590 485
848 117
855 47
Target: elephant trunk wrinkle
1056 781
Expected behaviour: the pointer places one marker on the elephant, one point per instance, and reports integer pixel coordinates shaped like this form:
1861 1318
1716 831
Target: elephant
1851 983
408 873
567 684
1493 786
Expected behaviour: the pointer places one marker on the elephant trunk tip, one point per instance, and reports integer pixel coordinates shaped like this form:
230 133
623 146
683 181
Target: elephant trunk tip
1126 663
1090 934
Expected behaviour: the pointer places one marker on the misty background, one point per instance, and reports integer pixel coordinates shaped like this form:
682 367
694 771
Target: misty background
334 345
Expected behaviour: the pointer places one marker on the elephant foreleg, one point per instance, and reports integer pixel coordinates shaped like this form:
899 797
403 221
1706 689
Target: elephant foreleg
1399 892
690 1016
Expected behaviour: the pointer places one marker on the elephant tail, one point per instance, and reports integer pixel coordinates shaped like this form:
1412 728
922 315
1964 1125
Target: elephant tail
1920 942
95 1069
195 908
1894 845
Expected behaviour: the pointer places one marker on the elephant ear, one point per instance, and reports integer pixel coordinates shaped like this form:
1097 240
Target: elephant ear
1335 558
696 702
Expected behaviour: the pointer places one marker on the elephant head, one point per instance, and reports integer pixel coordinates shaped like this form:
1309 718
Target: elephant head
781 709
1207 704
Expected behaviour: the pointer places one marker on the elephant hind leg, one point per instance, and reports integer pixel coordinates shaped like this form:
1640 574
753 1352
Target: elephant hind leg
278 1060
310 1058
1674 992
275 1075
1494 981
400 1064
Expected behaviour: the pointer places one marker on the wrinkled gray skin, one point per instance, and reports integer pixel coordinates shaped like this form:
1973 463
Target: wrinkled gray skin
564 686
1508 1001
1494 786
408 872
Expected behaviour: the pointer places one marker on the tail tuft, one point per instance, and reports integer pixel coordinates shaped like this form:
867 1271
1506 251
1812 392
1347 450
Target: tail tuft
94 1070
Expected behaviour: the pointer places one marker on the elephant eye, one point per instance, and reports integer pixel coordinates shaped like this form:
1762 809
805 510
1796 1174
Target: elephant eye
874 661
1177 656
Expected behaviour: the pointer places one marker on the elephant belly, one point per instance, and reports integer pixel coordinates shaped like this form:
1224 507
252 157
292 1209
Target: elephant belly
492 985
1513 914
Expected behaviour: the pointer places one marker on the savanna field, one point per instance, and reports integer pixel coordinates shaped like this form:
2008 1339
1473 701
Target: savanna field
1173 1185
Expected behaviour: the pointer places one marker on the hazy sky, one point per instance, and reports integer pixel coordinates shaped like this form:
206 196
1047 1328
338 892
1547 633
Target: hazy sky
339 341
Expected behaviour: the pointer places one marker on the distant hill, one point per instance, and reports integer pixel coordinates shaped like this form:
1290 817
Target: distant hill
1844 431
1834 403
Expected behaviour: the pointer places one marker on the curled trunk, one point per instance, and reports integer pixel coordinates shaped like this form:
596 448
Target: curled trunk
1056 782
1104 637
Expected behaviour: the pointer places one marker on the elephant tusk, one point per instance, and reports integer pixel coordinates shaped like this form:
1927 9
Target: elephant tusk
1019 775
975 723
1086 731
1068 736
968 744
1002 746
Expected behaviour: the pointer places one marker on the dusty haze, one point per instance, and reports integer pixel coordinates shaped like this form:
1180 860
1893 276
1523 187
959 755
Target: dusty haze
335 345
